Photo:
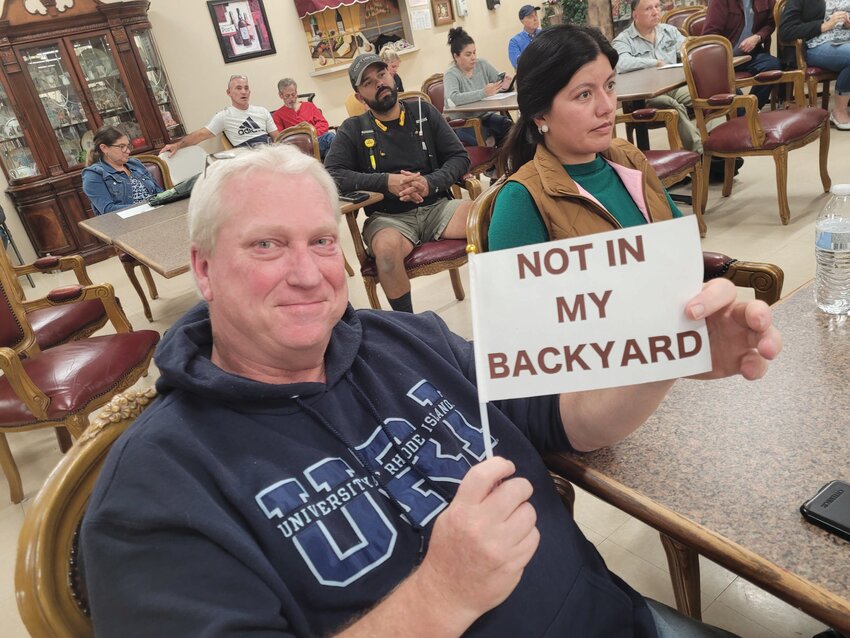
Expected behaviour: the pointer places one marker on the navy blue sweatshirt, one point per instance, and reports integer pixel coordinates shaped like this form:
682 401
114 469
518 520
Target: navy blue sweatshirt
234 507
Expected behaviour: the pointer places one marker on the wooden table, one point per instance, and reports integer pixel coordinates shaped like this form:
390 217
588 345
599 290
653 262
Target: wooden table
723 466
160 238
507 103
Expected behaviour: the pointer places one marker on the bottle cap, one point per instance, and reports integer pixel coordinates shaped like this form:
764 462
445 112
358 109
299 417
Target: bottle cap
842 190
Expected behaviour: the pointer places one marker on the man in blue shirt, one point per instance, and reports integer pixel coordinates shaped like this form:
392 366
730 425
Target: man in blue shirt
530 28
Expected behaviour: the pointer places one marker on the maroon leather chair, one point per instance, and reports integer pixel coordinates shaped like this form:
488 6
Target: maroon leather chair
708 69
481 157
302 135
814 74
695 23
678 16
674 164
60 386
55 324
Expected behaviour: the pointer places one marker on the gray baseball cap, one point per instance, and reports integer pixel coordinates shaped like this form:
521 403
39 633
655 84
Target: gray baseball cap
359 66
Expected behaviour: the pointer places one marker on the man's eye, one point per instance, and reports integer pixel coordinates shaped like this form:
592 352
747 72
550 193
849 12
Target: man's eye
264 243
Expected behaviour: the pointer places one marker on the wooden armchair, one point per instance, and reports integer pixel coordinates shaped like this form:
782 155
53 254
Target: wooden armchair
302 135
61 386
161 173
765 279
710 75
677 17
49 590
427 259
695 23
482 157
675 164
814 74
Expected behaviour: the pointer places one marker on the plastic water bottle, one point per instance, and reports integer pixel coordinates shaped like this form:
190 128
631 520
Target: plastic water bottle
832 250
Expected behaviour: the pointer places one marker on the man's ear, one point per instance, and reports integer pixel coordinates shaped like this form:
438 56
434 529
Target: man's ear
359 97
201 270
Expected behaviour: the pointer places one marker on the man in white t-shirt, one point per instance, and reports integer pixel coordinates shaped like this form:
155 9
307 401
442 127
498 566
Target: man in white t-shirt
242 123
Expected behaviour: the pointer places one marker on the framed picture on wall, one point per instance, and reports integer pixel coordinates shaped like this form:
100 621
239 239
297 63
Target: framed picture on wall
241 28
442 10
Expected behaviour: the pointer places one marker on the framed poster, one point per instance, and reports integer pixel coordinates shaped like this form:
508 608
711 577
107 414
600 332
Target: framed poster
442 10
241 28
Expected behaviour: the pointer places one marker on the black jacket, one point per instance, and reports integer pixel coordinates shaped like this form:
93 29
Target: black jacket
359 140
800 19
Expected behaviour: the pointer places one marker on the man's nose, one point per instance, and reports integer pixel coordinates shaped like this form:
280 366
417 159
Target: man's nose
302 270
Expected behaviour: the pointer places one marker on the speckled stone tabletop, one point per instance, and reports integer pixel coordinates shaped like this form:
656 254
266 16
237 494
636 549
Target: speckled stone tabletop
739 457
158 238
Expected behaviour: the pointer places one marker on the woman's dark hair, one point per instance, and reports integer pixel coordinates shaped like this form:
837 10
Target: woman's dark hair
105 135
459 40
545 67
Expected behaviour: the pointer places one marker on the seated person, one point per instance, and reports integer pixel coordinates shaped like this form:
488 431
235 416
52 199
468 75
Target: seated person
649 43
242 123
561 143
294 112
747 24
391 57
409 153
112 179
291 479
826 29
530 28
469 79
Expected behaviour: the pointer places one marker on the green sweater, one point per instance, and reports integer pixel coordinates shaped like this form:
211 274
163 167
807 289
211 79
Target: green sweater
517 222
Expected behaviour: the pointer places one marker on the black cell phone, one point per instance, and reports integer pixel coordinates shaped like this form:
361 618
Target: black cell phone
354 197
510 86
501 76
830 508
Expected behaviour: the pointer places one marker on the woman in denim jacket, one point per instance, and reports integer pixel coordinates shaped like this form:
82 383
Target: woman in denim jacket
113 179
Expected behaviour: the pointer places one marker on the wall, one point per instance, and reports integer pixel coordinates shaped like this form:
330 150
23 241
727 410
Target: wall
184 35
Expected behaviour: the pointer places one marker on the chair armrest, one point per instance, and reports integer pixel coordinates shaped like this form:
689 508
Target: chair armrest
74 294
668 116
729 107
794 77
721 99
22 384
764 278
475 124
471 185
53 264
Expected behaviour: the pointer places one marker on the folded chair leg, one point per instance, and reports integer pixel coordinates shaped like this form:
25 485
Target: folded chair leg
372 292
684 574
457 284
780 156
146 273
64 439
697 198
824 156
131 275
10 469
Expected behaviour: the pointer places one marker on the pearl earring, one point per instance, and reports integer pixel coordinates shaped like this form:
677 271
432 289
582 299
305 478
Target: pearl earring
543 128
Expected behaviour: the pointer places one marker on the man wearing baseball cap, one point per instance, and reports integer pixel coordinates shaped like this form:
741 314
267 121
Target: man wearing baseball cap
407 152
530 28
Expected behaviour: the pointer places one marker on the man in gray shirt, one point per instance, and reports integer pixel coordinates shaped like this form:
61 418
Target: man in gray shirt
647 43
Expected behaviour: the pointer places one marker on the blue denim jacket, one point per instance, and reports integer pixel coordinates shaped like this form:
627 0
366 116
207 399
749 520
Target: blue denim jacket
109 189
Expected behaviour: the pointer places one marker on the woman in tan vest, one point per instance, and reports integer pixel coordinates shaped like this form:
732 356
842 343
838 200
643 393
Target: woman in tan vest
567 177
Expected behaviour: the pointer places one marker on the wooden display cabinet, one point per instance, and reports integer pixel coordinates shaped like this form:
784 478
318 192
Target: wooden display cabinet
68 68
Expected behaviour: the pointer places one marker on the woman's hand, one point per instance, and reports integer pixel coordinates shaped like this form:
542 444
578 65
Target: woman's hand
492 88
837 18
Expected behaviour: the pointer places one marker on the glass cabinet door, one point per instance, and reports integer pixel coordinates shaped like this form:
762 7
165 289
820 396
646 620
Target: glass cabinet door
108 93
158 82
14 152
60 100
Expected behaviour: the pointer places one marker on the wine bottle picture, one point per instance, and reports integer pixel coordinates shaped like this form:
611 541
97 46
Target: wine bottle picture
340 25
237 37
242 27
314 26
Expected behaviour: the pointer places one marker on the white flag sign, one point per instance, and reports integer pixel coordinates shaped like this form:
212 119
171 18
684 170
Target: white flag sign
598 311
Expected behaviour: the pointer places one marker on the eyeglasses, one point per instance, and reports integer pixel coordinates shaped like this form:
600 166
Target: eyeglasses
213 157
124 147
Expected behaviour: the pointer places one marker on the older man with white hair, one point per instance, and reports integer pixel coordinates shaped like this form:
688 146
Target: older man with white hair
311 469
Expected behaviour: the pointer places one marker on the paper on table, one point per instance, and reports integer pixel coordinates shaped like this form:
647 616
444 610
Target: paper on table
499 96
670 66
135 210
